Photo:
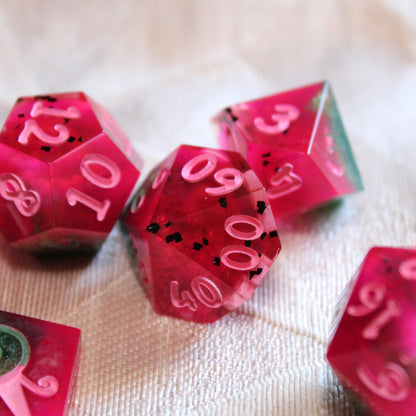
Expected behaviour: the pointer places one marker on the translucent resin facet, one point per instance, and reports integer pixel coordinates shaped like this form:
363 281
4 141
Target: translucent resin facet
66 172
38 362
373 340
202 232
296 143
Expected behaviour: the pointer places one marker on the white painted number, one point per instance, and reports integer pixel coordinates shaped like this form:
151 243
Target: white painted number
284 182
372 296
108 181
203 289
102 181
244 227
392 383
199 167
13 189
408 269
230 179
285 114
32 127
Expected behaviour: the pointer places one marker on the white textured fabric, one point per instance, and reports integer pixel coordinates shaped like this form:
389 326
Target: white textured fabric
163 68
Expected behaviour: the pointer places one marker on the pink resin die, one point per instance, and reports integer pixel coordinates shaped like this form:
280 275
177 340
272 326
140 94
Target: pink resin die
66 172
38 362
373 342
203 233
296 144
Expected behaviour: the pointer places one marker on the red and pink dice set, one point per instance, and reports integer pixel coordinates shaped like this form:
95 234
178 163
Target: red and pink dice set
201 228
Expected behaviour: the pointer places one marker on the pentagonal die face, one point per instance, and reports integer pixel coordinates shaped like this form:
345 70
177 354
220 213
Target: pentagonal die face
373 343
37 366
203 233
296 143
65 175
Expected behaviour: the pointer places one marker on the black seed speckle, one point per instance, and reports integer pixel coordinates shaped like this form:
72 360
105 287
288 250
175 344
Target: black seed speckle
389 269
261 205
255 272
273 234
286 131
197 246
48 98
205 241
21 115
19 99
259 254
80 139
17 126
217 261
154 227
46 148
66 120
266 155
71 139
233 117
168 224
247 243
277 169
263 235
265 163
223 202
174 237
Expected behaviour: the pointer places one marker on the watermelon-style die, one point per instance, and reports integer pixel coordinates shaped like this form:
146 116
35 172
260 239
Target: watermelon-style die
372 345
66 172
296 143
202 232
38 362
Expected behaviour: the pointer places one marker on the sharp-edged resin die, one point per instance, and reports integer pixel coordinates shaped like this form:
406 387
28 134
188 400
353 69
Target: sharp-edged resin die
296 143
373 340
66 172
38 362
203 233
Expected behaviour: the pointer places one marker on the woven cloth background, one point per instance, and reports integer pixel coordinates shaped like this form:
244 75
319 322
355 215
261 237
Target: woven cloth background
163 68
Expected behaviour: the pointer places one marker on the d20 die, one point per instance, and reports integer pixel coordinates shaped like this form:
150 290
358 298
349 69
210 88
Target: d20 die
37 366
66 172
373 342
296 143
203 233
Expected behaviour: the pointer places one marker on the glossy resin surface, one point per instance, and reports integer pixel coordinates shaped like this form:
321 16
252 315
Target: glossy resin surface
38 362
66 172
202 232
373 341
296 143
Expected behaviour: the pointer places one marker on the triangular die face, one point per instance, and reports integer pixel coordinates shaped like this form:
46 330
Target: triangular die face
141 210
202 237
285 120
184 288
186 194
